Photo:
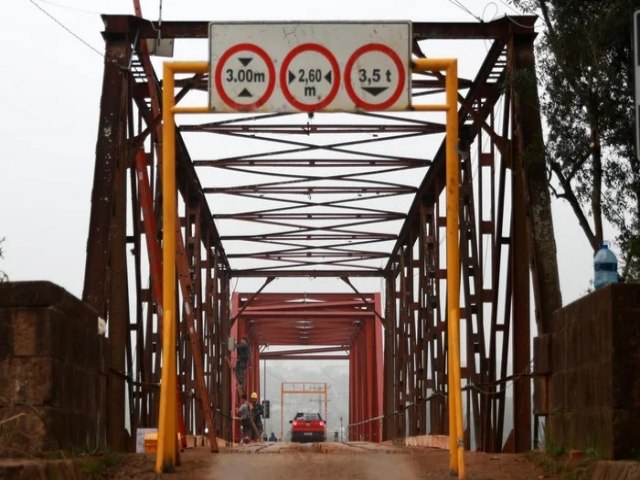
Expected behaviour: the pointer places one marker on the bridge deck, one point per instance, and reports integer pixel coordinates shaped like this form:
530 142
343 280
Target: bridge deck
332 461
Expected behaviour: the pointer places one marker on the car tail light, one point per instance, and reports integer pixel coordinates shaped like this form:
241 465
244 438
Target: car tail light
295 424
321 423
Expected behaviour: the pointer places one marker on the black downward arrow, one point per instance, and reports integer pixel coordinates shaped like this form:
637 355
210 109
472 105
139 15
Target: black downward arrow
327 77
245 60
292 77
375 91
245 93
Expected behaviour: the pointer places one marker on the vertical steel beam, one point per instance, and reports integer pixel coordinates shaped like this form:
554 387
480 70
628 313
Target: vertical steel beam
521 249
118 308
216 337
111 136
436 331
105 285
210 332
354 414
473 293
253 372
105 282
359 412
378 370
226 384
389 359
424 320
521 314
234 392
135 328
195 254
411 338
401 339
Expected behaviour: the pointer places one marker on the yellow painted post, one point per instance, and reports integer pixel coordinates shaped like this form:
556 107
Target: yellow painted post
167 452
167 447
456 425
453 259
453 457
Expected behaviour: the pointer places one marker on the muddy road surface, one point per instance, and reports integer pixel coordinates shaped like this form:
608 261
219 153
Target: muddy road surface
326 461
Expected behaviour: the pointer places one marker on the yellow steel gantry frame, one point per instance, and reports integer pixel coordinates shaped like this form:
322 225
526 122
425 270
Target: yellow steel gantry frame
456 426
167 448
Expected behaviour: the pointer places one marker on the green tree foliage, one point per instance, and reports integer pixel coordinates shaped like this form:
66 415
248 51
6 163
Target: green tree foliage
586 70
3 276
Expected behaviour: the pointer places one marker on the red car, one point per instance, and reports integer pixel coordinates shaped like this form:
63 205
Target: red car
308 427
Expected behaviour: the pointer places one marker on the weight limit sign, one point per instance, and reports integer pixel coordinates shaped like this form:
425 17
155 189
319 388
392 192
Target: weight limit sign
375 77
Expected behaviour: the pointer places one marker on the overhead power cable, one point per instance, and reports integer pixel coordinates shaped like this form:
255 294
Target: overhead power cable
65 27
69 7
458 4
508 5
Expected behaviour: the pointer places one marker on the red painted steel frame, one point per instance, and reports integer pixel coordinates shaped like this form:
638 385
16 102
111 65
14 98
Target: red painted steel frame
365 382
345 321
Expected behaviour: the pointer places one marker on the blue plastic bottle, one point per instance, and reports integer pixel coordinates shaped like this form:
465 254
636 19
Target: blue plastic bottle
605 265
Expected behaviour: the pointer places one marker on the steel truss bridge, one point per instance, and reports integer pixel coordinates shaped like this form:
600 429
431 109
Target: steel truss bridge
343 198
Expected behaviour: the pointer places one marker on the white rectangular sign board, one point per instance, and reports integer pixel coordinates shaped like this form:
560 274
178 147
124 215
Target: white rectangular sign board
309 67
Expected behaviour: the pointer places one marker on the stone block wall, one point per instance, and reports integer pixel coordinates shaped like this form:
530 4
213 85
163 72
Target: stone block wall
594 395
51 358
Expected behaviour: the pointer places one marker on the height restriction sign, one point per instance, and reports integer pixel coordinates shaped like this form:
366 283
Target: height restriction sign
309 67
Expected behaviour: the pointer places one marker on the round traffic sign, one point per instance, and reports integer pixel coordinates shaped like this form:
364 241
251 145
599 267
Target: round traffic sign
309 77
374 77
245 77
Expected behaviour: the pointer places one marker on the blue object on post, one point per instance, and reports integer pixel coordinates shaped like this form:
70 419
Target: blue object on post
605 265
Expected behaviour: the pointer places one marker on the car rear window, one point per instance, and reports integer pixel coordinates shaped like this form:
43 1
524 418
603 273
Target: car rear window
310 417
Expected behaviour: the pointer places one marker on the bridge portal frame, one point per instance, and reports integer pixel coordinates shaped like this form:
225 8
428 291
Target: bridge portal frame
520 247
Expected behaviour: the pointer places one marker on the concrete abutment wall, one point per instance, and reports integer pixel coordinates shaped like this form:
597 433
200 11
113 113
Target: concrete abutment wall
52 381
594 386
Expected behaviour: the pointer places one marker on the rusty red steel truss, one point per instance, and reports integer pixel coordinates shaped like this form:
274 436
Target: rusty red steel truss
325 326
341 197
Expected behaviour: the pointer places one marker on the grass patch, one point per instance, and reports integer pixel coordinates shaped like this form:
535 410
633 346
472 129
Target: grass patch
561 464
549 463
96 465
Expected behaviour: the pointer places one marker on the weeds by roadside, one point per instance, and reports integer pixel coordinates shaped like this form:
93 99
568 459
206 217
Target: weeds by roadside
571 468
96 465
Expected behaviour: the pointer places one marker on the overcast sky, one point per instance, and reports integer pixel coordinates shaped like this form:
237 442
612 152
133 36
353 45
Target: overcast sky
50 94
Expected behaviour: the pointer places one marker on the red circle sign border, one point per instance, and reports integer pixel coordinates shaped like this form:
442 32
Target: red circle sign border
370 47
283 77
271 72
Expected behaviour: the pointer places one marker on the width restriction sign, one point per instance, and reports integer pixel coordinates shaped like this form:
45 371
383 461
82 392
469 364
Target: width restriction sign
308 67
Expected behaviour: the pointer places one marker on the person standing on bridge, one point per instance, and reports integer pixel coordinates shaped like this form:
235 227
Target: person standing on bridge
257 411
243 361
245 420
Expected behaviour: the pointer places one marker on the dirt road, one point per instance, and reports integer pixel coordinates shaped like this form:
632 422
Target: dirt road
328 461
